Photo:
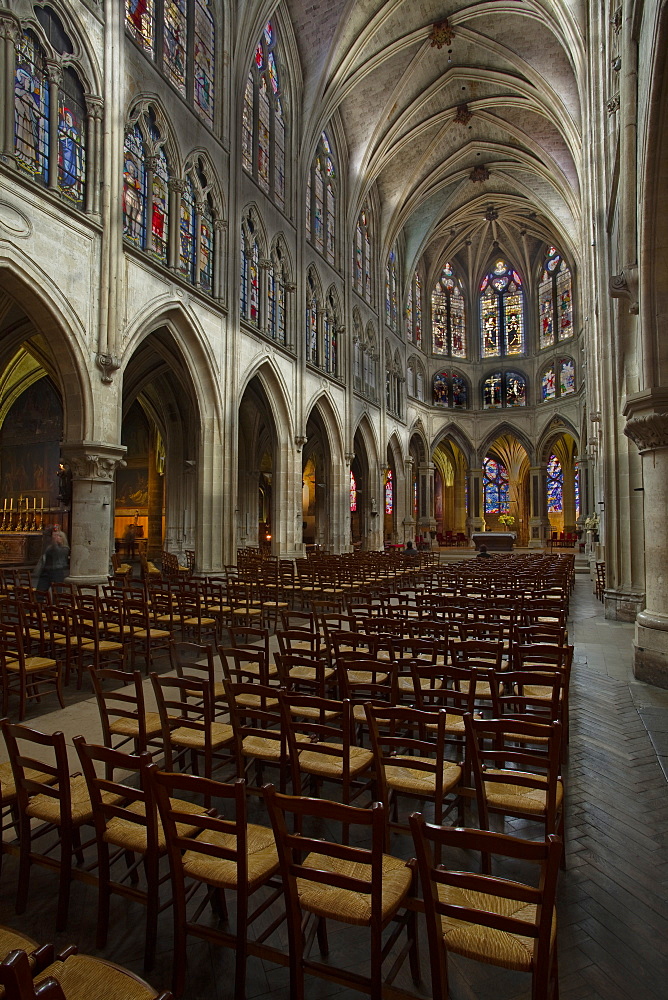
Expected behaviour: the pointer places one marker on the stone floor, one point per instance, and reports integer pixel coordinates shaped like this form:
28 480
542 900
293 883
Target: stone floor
613 896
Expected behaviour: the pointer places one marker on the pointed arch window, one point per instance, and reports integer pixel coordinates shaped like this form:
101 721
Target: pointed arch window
321 200
196 229
391 289
448 315
263 126
146 179
555 486
312 319
450 389
49 135
389 492
555 300
503 389
369 363
180 36
496 486
276 295
331 335
558 381
250 270
362 257
501 311
353 493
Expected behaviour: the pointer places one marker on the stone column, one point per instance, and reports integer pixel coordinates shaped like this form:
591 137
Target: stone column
568 493
9 31
476 500
647 426
176 188
219 231
93 465
155 501
539 523
94 112
408 523
426 519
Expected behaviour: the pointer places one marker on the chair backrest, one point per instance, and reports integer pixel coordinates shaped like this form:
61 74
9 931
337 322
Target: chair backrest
22 742
245 636
327 729
184 703
365 680
524 694
210 835
298 641
249 663
451 897
16 979
115 703
186 660
294 846
121 794
298 672
478 651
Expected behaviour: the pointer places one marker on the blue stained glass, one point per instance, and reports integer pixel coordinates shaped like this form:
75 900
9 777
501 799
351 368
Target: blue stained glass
134 189
206 249
496 487
175 41
159 216
577 493
204 60
140 21
243 289
31 109
187 232
389 493
71 149
555 486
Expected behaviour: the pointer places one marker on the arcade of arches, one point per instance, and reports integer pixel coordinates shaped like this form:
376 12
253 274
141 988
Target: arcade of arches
306 275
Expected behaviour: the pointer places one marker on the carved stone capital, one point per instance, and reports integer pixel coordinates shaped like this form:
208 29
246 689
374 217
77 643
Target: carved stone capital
94 107
648 431
220 225
94 460
613 104
177 185
54 71
300 441
9 26
625 286
349 457
107 364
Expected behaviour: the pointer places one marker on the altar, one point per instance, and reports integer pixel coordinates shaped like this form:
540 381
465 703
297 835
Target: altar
496 541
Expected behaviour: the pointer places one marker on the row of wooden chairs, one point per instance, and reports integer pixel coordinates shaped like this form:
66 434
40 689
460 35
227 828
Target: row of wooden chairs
228 853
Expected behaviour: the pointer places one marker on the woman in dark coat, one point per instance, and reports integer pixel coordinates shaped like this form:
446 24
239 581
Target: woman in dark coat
56 561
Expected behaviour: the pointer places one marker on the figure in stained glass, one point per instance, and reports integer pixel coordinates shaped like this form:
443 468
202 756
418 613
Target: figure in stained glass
555 486
31 108
70 154
134 188
448 316
567 378
549 387
353 493
389 493
140 20
496 487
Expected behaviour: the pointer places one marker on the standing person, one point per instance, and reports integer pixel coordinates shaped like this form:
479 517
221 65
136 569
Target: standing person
56 561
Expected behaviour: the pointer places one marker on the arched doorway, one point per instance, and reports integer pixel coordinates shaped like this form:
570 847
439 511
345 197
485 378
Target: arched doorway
316 477
257 450
158 488
562 484
450 466
505 486
360 501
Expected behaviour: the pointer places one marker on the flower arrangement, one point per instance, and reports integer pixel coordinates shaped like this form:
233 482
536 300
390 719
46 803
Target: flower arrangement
507 519
592 522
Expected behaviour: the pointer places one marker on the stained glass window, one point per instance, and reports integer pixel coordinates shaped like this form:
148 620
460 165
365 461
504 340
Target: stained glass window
140 21
496 486
504 389
264 125
71 131
206 250
567 376
276 295
187 51
204 63
331 222
318 219
31 109
174 43
555 486
448 315
311 320
367 266
187 238
417 296
389 492
353 493
555 299
501 311
410 334
321 202
250 271
134 189
576 485
159 210
451 390
548 384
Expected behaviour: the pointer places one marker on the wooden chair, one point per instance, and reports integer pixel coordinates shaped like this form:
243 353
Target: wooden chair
186 712
517 770
25 676
72 977
60 804
197 624
500 922
409 760
225 854
192 659
324 881
128 835
259 737
305 674
145 636
9 812
95 648
321 743
123 714
298 641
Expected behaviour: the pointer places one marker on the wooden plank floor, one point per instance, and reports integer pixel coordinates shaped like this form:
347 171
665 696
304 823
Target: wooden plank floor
613 897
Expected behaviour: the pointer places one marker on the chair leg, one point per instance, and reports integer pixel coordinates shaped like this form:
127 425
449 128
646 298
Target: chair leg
65 879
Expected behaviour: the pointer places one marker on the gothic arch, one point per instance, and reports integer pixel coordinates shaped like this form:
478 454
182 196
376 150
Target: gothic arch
322 404
82 60
366 431
552 433
456 434
214 186
51 314
276 391
512 430
140 107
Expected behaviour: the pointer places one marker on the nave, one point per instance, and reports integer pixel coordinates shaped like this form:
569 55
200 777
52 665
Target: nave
612 915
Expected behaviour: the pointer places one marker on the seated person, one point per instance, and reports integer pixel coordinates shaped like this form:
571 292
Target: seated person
409 550
483 552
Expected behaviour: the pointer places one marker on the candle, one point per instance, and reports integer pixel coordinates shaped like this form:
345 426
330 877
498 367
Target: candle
5 506
34 503
11 504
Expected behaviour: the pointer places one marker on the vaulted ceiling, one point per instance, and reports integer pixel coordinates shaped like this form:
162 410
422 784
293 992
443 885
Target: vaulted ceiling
502 97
